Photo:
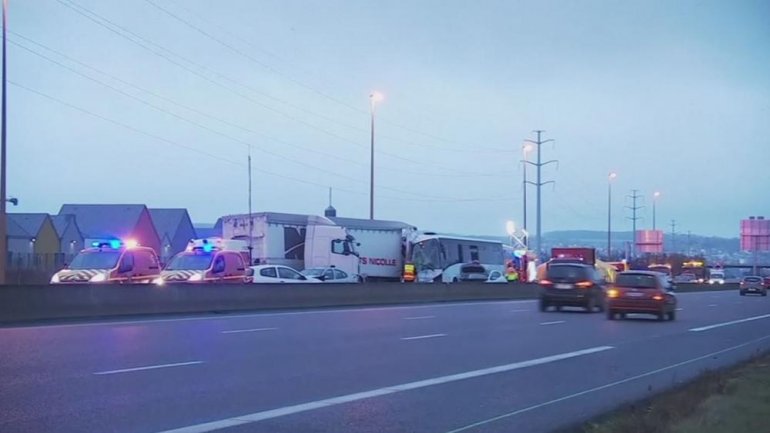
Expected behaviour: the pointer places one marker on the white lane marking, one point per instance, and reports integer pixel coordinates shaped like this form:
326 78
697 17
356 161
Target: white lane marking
236 331
602 387
712 305
679 309
148 367
304 407
552 323
521 310
419 317
733 322
421 337
226 316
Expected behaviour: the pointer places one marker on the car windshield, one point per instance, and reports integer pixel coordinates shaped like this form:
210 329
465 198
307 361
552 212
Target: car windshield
190 262
95 260
473 269
636 280
568 272
752 279
313 272
715 276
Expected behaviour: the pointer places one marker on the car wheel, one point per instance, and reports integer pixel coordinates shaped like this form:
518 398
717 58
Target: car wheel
672 315
591 305
558 308
611 315
661 316
455 280
743 293
543 305
764 293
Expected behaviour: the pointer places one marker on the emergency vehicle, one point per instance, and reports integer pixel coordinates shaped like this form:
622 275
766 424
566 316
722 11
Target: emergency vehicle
111 261
211 260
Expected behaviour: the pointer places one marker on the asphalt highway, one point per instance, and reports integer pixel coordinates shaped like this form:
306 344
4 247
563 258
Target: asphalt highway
439 368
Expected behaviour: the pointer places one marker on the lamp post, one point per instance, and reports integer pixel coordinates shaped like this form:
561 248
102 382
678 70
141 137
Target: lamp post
525 149
654 201
374 98
610 178
3 133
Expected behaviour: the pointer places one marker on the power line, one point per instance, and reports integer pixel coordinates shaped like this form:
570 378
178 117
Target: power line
166 54
302 84
217 157
199 112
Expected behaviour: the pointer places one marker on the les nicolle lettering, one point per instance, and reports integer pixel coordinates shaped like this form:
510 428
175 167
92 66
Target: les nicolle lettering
378 262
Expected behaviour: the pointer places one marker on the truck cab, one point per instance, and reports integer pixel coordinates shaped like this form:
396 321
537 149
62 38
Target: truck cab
331 246
210 260
111 261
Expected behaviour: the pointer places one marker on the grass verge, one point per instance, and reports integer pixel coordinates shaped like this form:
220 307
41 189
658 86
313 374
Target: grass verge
735 400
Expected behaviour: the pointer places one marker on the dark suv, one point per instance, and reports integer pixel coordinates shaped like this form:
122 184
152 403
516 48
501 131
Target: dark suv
574 285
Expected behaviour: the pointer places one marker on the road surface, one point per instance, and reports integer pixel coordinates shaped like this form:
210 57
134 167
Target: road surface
440 368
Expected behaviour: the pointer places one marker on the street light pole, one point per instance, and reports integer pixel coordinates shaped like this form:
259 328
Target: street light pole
374 98
654 202
610 178
3 217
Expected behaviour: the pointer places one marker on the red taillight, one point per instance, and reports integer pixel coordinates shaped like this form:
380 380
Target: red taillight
584 284
546 282
657 297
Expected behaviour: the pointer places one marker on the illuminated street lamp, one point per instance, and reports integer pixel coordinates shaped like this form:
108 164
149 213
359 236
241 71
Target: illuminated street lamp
610 178
374 98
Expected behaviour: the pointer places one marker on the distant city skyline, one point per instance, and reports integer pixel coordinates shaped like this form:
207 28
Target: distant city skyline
158 102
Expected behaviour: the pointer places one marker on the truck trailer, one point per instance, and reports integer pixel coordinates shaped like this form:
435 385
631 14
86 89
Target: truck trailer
297 241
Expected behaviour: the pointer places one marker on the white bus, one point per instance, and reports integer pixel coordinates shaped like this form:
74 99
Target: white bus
438 258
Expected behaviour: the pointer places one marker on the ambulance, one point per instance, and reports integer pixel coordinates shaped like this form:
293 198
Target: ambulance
211 260
111 261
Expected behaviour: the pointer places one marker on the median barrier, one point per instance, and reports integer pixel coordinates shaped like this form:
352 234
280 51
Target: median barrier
45 302
48 302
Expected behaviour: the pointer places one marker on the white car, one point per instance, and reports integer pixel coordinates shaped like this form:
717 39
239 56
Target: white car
279 274
331 275
497 277
716 278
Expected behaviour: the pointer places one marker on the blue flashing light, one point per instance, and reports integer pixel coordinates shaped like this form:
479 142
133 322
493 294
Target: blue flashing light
95 244
115 244
207 247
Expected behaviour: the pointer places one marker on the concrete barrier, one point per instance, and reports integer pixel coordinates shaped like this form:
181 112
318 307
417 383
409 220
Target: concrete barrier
47 302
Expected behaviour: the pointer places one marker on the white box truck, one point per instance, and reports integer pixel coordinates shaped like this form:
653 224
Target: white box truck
382 246
297 241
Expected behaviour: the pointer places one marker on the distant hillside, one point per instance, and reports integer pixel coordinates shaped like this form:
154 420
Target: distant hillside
598 239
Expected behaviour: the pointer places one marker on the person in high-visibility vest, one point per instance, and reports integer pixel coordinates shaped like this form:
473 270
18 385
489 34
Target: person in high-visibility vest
510 273
408 275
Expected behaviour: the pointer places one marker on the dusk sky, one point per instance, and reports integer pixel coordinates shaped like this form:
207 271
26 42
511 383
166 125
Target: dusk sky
672 95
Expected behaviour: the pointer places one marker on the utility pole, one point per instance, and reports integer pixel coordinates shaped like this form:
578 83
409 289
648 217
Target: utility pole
634 208
539 184
3 133
689 244
251 216
673 236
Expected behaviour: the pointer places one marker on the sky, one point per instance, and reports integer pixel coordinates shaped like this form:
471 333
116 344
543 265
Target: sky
159 101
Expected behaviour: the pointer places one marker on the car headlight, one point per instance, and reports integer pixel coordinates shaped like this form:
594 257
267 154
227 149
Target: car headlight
55 278
159 281
99 278
195 277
